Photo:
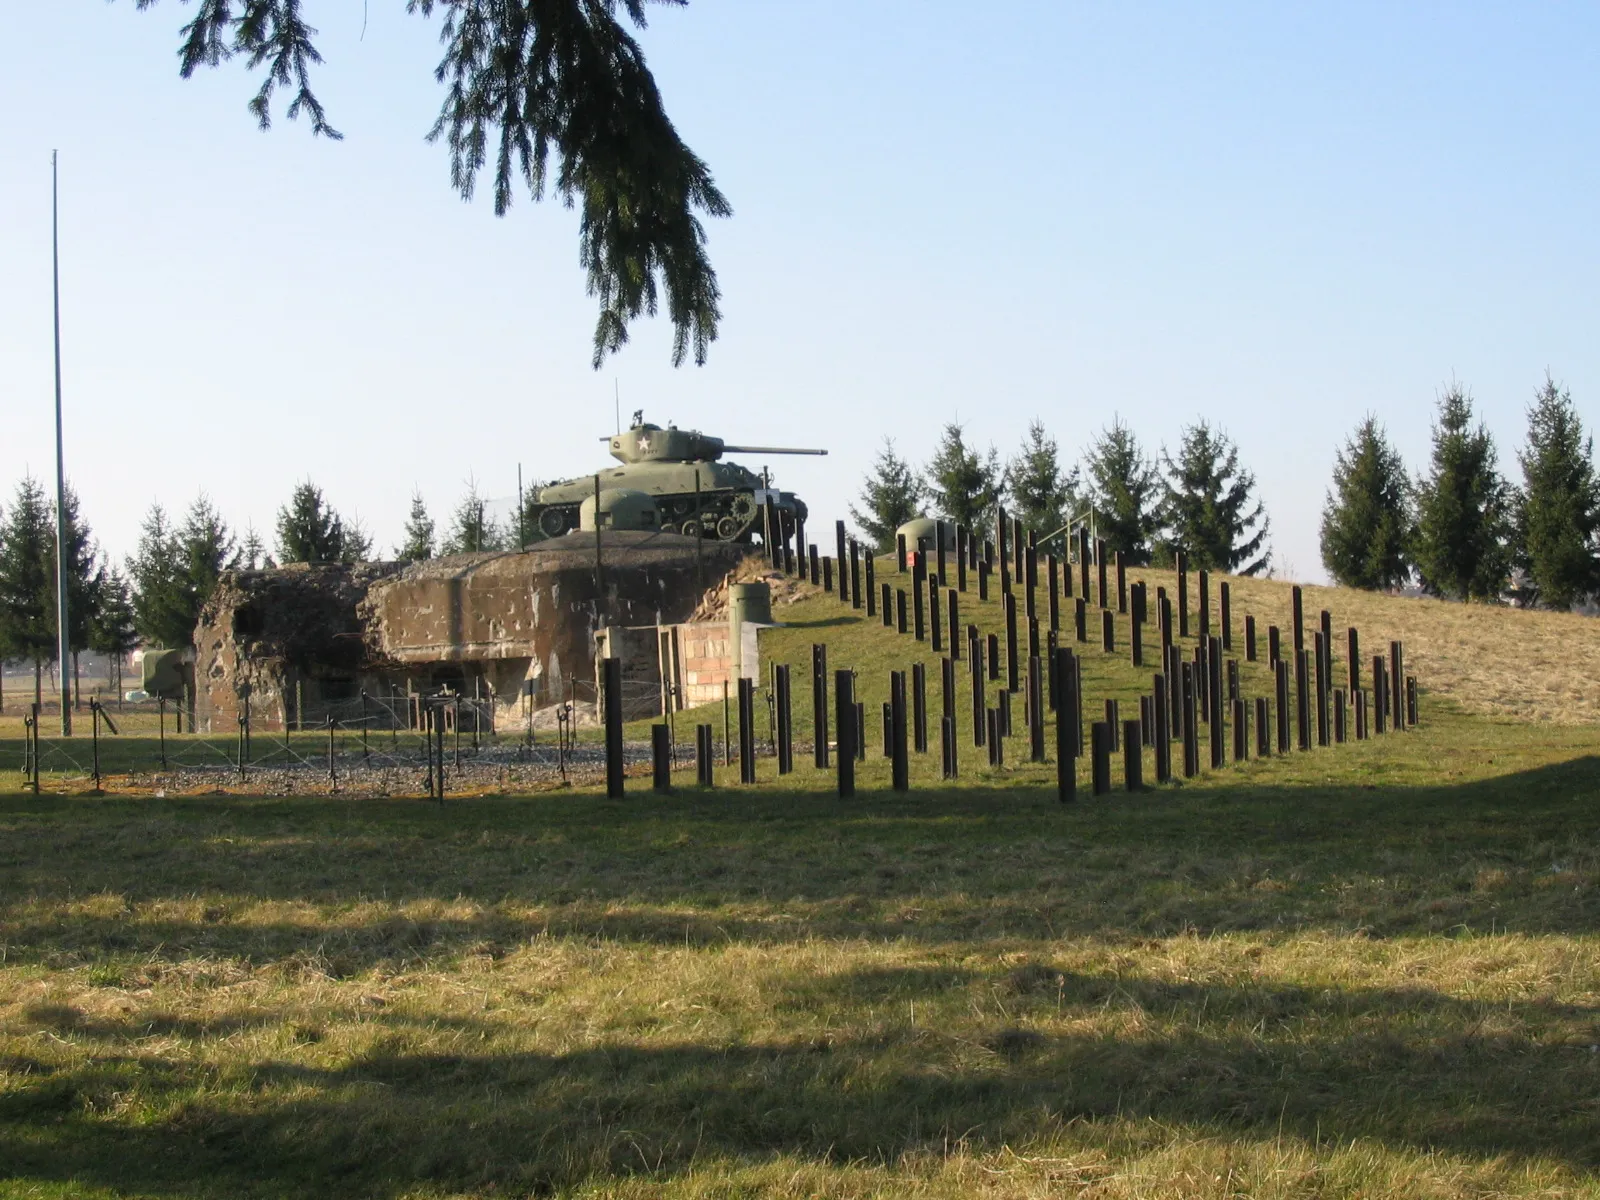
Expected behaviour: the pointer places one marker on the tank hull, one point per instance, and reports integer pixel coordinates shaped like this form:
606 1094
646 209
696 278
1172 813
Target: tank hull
727 506
696 493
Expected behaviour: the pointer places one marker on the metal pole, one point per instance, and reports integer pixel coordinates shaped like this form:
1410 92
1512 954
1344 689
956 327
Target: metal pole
63 647
599 568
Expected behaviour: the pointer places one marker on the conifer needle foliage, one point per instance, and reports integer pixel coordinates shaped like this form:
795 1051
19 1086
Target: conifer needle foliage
525 80
1212 511
1366 522
890 496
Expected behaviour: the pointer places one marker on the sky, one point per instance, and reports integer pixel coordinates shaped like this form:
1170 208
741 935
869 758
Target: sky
1277 218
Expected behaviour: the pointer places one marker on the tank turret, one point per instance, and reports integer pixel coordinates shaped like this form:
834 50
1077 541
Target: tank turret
646 443
696 493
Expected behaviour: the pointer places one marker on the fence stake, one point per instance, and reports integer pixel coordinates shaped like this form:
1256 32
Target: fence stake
900 773
1132 755
1161 726
1100 758
1066 750
844 698
704 755
747 732
819 703
426 721
611 675
661 759
438 734
94 737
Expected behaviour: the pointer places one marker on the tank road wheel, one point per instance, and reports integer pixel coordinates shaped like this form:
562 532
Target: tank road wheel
552 522
691 528
728 529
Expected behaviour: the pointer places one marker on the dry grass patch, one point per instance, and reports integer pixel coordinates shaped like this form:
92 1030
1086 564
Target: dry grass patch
1534 666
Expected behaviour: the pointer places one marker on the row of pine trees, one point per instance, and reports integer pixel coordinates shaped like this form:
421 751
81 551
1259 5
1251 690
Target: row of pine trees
155 597
1459 529
1198 499
1462 528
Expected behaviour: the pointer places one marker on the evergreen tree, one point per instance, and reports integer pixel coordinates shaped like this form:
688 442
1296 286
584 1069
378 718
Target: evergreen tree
156 570
114 633
418 546
1042 494
1464 508
472 529
252 555
1558 514
963 485
562 76
309 531
1125 489
205 546
890 496
357 542
1367 520
1210 509
85 575
27 581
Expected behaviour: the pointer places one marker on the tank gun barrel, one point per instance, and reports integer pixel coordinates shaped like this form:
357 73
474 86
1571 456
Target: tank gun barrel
768 450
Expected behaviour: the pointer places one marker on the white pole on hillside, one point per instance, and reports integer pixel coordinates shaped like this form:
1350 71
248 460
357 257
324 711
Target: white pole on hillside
63 641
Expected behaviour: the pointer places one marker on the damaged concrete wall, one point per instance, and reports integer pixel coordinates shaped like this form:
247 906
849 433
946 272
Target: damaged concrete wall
262 632
482 624
532 616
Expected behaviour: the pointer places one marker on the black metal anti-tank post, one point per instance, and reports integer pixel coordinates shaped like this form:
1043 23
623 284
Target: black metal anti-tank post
844 698
705 762
660 758
843 558
611 700
819 704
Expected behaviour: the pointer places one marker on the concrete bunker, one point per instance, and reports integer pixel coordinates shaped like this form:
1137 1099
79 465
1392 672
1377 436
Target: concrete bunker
515 631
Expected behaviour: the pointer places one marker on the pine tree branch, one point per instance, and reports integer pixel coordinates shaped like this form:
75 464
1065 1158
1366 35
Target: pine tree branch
535 78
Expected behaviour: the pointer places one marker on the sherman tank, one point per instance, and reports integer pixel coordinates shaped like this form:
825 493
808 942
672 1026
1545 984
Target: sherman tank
726 502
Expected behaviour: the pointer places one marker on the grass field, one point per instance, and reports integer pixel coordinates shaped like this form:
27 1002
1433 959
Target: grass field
1368 970
1537 666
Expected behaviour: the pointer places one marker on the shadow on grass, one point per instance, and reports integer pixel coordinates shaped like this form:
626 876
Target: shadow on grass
969 865
1411 1069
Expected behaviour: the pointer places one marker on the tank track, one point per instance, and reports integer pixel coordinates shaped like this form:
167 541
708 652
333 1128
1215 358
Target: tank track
726 517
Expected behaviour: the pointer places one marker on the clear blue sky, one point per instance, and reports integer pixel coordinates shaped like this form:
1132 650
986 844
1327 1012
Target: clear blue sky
1278 217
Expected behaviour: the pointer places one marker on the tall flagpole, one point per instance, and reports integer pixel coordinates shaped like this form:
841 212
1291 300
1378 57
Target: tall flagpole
63 641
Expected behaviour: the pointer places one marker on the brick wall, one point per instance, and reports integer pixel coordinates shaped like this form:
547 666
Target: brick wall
705 661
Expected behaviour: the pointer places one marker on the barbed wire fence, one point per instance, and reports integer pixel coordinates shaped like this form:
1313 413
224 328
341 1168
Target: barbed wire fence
371 744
